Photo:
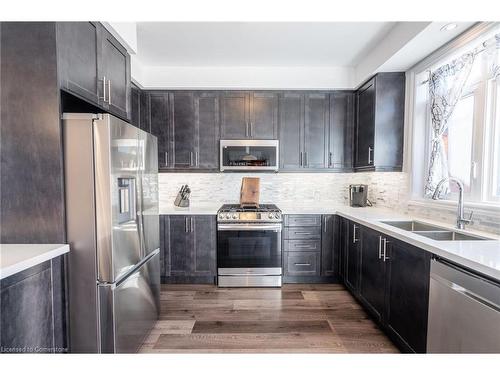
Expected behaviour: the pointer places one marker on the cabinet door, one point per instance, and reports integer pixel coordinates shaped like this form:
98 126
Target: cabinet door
135 106
329 245
164 246
159 105
144 111
180 245
408 293
316 131
372 279
183 128
352 257
234 115
302 263
203 250
114 64
341 133
207 127
343 239
291 126
263 115
365 131
77 58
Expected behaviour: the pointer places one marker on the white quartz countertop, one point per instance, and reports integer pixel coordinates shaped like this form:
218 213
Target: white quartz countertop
15 258
482 256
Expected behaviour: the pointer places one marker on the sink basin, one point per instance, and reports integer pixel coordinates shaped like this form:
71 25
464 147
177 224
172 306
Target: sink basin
432 231
413 226
449 236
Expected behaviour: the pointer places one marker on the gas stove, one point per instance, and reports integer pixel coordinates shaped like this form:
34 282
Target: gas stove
234 213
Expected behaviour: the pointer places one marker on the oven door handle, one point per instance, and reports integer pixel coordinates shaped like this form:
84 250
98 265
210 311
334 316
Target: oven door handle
249 227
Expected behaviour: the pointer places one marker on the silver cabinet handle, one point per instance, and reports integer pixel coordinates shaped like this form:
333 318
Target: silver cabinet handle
192 225
196 158
329 159
191 158
246 129
304 246
384 255
379 247
303 233
103 89
251 130
354 239
186 224
302 264
109 91
166 158
370 150
305 159
300 162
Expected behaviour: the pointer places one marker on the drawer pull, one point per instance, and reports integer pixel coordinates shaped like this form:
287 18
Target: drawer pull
305 246
302 264
304 233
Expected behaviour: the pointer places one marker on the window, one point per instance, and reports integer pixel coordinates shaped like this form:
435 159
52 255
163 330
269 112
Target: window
456 120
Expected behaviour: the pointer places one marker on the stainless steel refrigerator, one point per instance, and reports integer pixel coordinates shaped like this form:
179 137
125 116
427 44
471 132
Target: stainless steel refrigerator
111 187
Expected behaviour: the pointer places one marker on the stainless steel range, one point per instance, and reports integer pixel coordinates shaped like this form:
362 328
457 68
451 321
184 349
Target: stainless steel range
249 246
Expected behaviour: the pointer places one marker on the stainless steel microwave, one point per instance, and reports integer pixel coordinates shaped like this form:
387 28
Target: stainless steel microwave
249 155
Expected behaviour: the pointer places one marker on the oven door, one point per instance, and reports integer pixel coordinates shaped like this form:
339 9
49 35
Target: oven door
249 249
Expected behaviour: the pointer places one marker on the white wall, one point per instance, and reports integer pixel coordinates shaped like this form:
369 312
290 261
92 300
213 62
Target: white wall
180 77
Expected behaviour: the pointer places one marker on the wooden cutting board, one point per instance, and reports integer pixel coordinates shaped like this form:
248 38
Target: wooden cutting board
250 192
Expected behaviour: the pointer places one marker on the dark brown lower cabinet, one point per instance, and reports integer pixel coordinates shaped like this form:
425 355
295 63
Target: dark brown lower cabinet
188 248
407 294
393 283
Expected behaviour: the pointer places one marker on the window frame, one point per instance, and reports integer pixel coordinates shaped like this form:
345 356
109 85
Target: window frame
419 128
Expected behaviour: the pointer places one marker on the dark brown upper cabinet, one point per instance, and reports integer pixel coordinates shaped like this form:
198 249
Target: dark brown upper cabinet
195 128
380 123
304 126
159 104
341 135
94 66
249 115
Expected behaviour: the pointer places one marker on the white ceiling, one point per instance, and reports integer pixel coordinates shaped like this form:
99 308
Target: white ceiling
257 44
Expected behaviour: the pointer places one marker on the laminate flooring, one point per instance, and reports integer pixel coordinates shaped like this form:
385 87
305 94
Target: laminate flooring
298 318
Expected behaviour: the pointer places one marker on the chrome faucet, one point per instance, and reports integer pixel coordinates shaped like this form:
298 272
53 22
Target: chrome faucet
461 220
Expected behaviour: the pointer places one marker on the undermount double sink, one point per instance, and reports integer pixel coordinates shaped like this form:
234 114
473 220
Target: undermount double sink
432 231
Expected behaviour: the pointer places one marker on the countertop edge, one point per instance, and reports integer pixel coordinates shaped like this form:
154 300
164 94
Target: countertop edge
33 261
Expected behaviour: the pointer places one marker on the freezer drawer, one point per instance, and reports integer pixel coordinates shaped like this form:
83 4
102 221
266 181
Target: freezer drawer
130 308
464 312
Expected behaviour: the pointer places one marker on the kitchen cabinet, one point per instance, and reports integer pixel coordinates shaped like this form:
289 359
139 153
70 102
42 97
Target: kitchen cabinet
135 105
249 115
114 70
145 111
304 126
329 245
33 309
407 289
352 257
372 271
195 129
341 132
189 247
94 66
315 131
159 104
380 123
301 263
77 46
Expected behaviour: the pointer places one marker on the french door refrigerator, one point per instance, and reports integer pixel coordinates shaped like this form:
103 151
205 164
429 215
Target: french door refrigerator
111 188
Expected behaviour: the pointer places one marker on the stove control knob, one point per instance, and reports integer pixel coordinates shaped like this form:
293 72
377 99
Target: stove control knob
221 216
235 216
228 216
270 216
277 215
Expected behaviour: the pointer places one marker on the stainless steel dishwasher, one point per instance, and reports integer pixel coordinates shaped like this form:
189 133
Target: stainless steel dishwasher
464 311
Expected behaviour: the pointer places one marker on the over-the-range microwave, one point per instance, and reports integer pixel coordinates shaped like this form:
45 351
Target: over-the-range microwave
249 155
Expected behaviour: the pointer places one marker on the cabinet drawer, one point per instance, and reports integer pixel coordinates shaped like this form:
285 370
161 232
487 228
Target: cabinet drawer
302 263
302 233
302 220
302 245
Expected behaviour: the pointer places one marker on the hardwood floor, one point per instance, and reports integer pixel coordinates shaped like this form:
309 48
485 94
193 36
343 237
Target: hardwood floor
298 318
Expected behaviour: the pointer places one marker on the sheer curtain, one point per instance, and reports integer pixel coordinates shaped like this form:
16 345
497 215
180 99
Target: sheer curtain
445 88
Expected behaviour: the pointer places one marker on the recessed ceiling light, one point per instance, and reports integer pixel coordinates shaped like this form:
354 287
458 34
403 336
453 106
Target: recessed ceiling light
449 26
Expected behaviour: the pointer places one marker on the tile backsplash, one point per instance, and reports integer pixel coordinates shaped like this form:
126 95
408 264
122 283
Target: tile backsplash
386 189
